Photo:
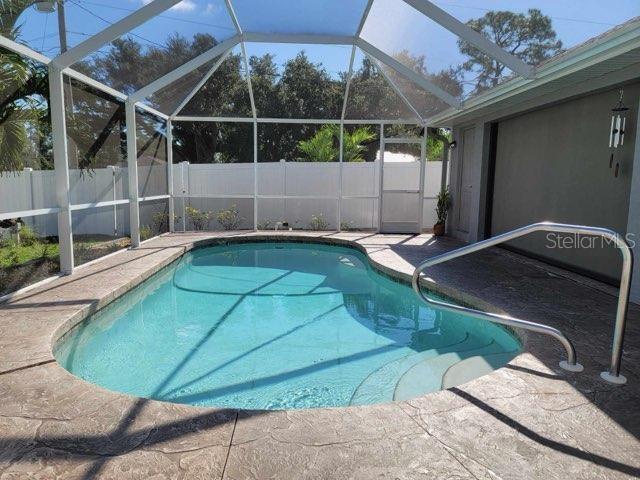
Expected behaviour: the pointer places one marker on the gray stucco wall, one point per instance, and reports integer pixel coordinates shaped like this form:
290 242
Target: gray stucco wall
553 164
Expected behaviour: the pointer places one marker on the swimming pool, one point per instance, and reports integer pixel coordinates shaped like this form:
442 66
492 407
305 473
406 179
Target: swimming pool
278 326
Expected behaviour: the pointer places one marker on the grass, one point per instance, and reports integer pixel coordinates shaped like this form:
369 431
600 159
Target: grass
35 257
12 254
38 258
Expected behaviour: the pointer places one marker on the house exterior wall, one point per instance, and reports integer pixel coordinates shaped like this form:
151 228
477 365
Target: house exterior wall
552 164
633 222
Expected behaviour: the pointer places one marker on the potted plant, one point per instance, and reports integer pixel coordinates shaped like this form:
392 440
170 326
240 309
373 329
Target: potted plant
442 209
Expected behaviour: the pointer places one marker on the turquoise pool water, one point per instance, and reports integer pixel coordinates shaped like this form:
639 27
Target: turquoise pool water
277 326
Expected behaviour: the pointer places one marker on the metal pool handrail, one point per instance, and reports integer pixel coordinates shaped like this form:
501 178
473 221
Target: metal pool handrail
613 374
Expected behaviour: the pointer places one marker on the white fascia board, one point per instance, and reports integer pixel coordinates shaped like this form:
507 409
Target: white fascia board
119 28
184 69
255 37
468 34
406 72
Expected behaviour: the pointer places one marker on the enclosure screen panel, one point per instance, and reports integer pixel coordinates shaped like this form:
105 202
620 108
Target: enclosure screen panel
317 17
160 45
417 42
26 161
169 98
225 93
152 155
298 81
371 96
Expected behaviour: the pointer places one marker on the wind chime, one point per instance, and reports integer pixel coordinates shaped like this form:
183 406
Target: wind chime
616 132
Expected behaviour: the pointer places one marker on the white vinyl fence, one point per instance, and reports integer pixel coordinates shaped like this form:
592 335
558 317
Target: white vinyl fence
296 191
35 190
287 191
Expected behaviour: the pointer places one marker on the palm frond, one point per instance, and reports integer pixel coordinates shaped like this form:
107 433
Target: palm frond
13 140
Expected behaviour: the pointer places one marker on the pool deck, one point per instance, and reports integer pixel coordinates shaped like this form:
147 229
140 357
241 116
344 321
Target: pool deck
527 420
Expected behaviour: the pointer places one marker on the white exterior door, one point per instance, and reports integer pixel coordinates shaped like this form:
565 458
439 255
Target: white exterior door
402 185
465 182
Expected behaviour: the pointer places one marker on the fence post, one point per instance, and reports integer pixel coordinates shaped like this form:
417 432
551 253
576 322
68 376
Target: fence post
29 170
184 165
114 169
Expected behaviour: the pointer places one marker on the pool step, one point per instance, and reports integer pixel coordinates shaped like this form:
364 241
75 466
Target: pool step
427 376
473 367
379 385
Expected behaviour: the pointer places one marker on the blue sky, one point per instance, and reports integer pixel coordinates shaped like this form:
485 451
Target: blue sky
392 24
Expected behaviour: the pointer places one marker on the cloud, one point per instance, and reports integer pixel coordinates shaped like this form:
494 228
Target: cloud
211 9
183 6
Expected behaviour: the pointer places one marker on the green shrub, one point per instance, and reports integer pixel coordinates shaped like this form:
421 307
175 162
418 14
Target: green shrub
13 254
230 219
145 232
199 219
28 236
45 249
264 225
318 223
160 222
442 207
347 226
82 252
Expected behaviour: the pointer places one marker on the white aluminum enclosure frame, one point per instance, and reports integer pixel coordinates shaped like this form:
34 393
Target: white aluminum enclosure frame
422 141
60 66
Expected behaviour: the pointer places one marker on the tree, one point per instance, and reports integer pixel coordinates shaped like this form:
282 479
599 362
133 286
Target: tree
324 145
303 90
321 146
355 143
371 96
10 11
529 37
24 113
24 109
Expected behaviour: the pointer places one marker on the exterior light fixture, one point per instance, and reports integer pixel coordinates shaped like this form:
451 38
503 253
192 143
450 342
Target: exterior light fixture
617 130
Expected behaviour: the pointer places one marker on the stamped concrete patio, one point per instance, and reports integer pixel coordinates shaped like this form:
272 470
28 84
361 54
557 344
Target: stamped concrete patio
527 420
